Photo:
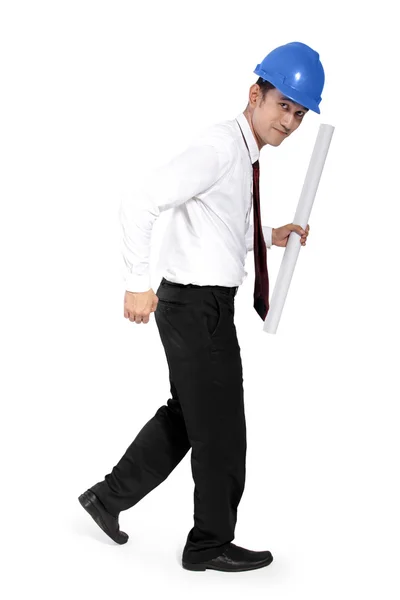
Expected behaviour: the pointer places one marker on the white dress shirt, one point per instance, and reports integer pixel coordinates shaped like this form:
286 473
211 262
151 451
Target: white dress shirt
209 187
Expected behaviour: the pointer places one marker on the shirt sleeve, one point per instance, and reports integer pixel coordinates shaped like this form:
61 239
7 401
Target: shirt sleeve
267 232
188 174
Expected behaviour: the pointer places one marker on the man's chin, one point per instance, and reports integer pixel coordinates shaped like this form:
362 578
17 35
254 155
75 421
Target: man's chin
275 142
276 138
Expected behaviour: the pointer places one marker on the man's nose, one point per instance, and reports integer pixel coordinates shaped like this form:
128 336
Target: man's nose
286 122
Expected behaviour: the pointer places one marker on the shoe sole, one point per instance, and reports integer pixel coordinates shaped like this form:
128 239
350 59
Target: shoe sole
96 516
204 566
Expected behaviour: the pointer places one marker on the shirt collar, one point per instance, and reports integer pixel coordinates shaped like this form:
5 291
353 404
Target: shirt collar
250 139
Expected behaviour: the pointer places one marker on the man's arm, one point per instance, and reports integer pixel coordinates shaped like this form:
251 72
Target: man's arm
267 232
187 175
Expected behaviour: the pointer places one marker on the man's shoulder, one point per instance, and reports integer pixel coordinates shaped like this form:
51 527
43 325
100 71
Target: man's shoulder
221 135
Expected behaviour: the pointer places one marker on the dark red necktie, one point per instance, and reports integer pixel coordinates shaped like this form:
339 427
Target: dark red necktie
261 287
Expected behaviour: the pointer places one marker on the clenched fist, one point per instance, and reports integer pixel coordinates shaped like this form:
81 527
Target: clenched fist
139 305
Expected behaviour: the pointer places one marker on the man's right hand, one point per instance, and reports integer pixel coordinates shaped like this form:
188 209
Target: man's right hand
139 305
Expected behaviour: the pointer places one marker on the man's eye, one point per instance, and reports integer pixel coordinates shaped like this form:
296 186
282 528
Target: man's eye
300 111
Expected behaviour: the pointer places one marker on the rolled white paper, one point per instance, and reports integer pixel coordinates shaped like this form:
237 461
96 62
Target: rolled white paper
301 217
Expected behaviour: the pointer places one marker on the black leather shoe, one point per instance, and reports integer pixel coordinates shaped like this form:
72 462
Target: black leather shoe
233 558
104 520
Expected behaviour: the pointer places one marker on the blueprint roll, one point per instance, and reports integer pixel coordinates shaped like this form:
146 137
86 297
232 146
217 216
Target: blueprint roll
301 217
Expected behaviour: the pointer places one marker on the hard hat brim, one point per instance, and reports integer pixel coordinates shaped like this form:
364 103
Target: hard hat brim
288 91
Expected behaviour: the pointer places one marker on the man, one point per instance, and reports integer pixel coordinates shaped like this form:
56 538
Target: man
209 187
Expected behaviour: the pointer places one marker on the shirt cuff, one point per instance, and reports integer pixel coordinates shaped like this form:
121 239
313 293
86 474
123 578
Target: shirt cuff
267 232
137 283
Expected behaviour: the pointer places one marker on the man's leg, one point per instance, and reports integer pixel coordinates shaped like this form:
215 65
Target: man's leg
157 449
205 364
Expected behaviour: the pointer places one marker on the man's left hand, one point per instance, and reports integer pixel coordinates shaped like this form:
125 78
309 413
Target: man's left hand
280 235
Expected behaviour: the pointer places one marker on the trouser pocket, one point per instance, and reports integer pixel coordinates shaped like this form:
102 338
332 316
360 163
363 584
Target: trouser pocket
213 313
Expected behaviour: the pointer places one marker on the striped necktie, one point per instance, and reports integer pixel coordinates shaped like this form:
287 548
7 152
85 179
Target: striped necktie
261 286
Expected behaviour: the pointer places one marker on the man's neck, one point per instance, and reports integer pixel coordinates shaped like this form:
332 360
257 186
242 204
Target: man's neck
248 114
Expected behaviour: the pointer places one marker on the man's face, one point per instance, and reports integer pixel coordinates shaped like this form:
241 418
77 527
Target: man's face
276 114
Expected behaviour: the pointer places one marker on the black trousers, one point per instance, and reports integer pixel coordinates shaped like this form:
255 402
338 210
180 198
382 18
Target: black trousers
205 413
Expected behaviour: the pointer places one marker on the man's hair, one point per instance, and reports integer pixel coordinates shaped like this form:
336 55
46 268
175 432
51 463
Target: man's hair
265 86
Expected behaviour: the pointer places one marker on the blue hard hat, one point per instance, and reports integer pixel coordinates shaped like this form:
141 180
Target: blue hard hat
296 71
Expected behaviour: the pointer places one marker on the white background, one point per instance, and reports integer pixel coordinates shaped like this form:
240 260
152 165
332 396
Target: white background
90 93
